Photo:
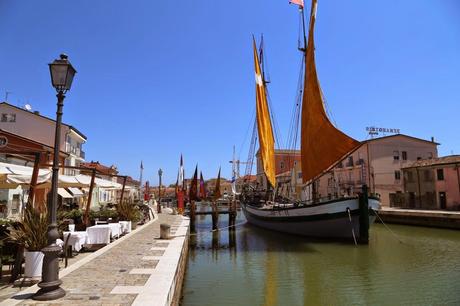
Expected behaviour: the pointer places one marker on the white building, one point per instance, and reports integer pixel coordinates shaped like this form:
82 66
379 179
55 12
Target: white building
36 127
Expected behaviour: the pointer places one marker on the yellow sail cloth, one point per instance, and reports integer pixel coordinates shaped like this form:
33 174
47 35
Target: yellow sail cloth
264 125
321 143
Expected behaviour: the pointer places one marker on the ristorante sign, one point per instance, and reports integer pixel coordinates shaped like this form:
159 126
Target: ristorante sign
376 130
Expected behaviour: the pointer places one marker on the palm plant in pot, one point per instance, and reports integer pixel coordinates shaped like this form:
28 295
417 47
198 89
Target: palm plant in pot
31 233
128 211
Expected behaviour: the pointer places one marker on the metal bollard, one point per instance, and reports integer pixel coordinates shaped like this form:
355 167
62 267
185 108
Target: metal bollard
165 230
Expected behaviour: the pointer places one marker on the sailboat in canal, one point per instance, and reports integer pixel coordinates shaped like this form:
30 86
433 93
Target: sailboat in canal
322 146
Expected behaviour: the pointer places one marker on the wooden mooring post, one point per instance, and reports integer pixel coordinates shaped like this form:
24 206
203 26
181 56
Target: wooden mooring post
364 216
232 214
215 215
192 215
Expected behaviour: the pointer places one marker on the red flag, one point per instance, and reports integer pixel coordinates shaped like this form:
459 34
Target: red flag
297 2
217 193
193 186
202 187
147 191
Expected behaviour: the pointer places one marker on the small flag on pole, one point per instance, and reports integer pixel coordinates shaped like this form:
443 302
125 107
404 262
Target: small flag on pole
193 186
217 193
297 2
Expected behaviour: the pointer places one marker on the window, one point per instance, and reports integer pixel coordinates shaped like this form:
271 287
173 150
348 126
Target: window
430 155
404 155
427 175
350 161
410 176
299 175
419 158
8 117
440 174
282 165
395 155
340 165
397 175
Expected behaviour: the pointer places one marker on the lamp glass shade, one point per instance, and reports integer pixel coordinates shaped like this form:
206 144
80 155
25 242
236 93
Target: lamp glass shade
62 74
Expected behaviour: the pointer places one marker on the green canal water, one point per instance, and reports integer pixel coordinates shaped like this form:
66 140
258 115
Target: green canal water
260 267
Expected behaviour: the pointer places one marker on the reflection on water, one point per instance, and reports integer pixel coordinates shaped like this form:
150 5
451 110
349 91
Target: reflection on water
253 266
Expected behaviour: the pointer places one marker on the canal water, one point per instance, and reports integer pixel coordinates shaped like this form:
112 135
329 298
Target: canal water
254 266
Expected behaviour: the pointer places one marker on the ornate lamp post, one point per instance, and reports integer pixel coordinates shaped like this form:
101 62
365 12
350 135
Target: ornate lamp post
62 74
160 173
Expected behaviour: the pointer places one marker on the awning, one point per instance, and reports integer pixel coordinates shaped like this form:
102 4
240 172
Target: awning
75 191
64 194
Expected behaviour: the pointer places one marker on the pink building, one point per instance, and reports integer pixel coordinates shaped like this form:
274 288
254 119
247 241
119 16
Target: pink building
376 163
432 184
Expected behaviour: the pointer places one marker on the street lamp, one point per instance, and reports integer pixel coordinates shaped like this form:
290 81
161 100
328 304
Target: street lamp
62 74
160 173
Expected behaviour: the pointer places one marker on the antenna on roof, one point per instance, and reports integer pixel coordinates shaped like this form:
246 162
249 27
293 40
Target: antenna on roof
6 95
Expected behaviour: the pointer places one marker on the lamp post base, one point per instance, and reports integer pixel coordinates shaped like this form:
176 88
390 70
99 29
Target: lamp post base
49 294
49 286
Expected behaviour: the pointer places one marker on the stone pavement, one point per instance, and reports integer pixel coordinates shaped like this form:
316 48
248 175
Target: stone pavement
118 274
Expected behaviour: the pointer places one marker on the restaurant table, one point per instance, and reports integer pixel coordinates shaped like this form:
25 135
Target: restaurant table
98 234
76 239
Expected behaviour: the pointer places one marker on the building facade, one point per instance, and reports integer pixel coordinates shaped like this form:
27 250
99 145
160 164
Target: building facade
376 163
431 184
102 196
38 128
285 160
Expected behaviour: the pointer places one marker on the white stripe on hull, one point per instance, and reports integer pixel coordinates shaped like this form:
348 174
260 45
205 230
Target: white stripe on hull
329 227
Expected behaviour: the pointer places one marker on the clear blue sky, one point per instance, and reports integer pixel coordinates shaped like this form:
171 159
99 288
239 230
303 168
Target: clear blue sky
157 78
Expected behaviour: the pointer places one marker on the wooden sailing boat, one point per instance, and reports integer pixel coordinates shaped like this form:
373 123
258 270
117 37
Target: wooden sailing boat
322 146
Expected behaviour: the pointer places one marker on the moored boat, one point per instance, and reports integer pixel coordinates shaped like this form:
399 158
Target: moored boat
322 147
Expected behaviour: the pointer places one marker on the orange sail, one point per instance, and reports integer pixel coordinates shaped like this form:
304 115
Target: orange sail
264 125
321 143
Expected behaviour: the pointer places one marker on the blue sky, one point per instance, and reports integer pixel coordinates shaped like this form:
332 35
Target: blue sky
157 78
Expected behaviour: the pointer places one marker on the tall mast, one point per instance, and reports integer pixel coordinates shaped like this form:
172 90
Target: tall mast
302 13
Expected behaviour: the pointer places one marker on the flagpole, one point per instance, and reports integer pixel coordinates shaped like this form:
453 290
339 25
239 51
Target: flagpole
141 196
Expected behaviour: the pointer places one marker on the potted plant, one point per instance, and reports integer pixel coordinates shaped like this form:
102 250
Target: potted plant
128 211
31 233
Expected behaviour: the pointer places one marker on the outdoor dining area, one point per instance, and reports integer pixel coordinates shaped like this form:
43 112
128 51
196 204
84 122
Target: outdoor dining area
92 211
100 234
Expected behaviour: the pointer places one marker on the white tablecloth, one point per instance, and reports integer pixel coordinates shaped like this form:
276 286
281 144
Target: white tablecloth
125 226
98 234
115 229
76 240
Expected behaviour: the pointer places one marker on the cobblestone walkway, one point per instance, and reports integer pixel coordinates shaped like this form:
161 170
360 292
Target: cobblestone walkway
126 265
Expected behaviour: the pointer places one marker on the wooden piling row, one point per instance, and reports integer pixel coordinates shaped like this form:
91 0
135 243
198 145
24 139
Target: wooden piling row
214 214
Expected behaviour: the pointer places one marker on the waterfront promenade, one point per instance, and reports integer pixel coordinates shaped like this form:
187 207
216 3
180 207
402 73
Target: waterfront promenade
419 217
138 269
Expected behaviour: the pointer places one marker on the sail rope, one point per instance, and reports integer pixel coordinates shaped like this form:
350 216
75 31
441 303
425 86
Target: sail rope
252 118
352 228
252 148
393 233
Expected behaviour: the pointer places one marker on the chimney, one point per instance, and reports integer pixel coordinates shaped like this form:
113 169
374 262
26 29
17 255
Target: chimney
432 139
